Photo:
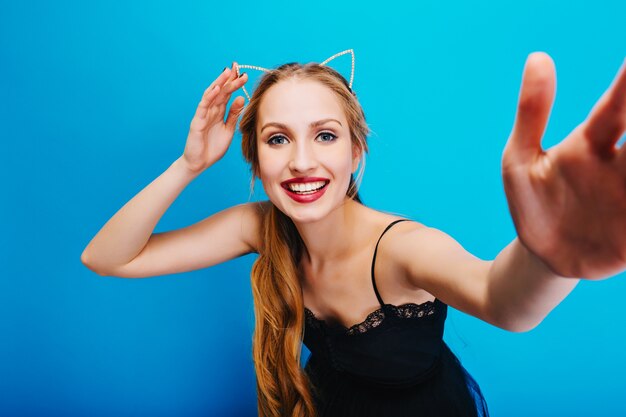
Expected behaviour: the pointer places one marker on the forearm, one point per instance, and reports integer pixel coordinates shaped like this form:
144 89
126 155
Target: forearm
125 235
522 290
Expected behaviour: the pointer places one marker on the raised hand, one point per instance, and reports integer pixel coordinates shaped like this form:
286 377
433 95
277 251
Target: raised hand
568 203
209 134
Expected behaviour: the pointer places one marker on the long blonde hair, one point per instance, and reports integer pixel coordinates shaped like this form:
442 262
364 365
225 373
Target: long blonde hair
283 388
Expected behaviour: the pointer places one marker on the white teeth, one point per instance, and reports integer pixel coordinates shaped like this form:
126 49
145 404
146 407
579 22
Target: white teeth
309 186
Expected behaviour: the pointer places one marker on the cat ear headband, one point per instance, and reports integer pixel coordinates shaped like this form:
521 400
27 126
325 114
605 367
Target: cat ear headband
326 61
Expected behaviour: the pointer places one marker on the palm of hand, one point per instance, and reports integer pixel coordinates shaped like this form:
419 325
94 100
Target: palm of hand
218 135
568 203
209 134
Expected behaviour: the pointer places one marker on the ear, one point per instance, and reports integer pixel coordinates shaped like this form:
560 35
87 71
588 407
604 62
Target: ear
356 157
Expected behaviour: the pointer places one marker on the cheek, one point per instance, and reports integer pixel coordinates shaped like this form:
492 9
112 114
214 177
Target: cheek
269 174
266 164
342 162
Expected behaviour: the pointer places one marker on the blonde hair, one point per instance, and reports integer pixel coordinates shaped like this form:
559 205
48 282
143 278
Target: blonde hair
283 388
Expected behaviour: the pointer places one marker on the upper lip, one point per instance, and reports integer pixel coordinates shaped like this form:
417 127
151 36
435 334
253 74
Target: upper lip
302 180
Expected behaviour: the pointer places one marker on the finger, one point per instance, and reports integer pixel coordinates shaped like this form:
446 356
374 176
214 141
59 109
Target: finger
607 119
211 92
227 88
233 114
222 78
223 99
218 103
234 85
621 159
533 110
217 107
219 81
207 98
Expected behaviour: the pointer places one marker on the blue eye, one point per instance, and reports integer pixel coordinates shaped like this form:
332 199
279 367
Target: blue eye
270 141
276 140
327 135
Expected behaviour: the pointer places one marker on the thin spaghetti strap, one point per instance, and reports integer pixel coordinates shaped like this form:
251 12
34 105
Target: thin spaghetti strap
380 300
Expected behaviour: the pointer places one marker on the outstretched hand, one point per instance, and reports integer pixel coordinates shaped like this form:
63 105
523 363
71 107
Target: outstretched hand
568 203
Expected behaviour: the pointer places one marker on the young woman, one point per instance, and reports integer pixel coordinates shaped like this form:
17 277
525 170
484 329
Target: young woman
367 291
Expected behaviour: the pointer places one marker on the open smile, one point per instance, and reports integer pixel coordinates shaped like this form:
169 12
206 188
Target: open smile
305 192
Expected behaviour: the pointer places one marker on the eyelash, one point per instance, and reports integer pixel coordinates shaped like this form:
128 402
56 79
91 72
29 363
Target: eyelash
269 141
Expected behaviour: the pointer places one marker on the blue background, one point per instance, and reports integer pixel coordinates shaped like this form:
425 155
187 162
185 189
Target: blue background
96 102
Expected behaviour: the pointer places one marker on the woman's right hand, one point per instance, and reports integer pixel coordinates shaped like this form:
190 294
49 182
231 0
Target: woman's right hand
209 135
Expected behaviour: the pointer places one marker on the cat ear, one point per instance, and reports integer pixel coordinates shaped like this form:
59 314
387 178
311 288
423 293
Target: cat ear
347 51
326 61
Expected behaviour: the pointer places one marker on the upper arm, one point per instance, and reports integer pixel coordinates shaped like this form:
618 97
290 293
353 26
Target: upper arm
225 235
435 262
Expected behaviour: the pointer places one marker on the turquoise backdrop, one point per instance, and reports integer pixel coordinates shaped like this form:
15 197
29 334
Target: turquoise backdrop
96 100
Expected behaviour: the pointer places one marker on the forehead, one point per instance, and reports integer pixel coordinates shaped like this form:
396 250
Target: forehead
296 101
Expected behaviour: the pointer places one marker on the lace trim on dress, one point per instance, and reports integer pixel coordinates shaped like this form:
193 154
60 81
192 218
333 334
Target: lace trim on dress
375 318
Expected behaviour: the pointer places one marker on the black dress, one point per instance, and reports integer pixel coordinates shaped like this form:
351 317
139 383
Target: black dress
393 364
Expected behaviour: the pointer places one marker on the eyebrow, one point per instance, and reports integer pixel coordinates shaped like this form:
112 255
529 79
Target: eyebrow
311 125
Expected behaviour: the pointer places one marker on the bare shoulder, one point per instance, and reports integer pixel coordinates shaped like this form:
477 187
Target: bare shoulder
428 254
400 241
434 261
252 221
385 219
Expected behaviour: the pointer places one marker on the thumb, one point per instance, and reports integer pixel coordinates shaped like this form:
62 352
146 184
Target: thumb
233 114
533 110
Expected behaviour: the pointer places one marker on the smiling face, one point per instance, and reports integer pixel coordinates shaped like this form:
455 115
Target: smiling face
303 134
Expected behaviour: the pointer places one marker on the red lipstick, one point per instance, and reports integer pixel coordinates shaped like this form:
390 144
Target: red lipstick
303 180
305 198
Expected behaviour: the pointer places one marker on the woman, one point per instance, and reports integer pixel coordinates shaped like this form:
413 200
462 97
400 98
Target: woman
368 291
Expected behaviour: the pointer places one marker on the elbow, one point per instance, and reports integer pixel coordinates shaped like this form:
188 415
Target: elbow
522 328
513 320
85 261
518 325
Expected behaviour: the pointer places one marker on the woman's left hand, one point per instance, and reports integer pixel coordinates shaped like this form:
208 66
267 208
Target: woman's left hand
568 203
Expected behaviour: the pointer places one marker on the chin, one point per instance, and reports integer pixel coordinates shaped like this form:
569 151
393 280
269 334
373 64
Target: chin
310 214
302 214
304 218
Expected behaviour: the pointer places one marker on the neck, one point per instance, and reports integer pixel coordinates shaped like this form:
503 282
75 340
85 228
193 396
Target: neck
333 238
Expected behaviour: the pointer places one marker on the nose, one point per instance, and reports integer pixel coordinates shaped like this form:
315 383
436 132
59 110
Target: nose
303 158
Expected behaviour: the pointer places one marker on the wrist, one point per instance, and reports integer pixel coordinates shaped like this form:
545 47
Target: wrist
182 170
540 264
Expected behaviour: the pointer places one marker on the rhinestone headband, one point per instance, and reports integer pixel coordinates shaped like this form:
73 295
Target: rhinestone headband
326 61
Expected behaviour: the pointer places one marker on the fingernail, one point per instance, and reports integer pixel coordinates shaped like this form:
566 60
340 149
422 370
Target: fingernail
241 75
225 68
